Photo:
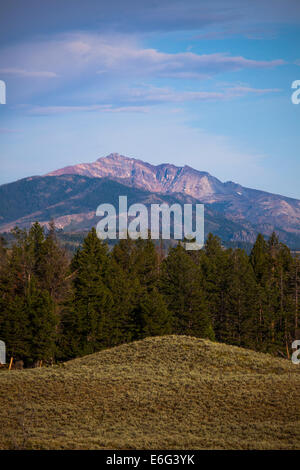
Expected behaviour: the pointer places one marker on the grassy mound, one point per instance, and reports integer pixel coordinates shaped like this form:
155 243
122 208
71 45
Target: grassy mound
171 392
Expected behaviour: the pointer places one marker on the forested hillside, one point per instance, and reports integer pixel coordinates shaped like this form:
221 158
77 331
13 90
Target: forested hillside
54 308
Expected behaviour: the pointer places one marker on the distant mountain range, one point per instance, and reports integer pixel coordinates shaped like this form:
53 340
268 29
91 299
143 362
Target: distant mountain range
71 195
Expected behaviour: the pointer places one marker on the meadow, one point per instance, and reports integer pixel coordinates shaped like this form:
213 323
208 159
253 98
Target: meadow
169 392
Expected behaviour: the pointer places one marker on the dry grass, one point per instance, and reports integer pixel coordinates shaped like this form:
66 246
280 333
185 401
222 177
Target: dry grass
172 392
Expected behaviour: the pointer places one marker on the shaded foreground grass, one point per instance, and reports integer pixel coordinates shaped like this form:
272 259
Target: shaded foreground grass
171 392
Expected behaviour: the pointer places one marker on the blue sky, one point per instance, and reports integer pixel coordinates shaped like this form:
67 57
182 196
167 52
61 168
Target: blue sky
202 83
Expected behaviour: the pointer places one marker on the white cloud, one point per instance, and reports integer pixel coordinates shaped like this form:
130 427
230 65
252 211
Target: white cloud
164 95
83 54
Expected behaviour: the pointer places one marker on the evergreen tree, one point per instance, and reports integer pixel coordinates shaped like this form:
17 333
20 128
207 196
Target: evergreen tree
181 286
155 317
53 267
241 308
261 264
213 261
295 294
14 327
146 267
91 298
119 326
42 324
124 253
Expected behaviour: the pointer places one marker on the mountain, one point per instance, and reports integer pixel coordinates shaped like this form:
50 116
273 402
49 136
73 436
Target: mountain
170 392
71 195
72 201
163 178
266 211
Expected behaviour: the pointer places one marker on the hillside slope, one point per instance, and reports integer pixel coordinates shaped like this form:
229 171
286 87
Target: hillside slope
172 392
266 211
72 201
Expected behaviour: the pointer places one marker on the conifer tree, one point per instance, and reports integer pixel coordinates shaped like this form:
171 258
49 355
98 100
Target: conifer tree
146 263
14 327
295 293
91 298
155 317
261 264
213 261
124 253
42 323
119 326
53 267
241 308
182 287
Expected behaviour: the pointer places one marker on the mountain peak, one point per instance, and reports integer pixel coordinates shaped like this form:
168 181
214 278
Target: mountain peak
163 178
113 156
252 210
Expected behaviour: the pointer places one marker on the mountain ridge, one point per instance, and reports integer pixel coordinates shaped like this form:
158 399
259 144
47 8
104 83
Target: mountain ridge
155 178
90 169
71 195
234 200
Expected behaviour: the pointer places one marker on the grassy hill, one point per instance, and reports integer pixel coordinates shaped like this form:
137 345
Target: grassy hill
172 392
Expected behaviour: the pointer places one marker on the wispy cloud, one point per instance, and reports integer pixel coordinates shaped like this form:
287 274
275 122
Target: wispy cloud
84 54
140 99
168 95
47 110
27 73
130 58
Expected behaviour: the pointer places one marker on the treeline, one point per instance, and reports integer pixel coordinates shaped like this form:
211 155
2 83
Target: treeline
55 308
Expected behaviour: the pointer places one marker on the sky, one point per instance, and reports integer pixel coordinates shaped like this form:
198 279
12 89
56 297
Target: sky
199 83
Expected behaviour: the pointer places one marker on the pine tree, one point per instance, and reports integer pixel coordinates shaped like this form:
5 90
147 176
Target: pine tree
155 319
119 326
181 285
272 264
261 264
259 259
91 299
241 308
14 327
52 267
295 292
213 262
42 323
146 266
124 253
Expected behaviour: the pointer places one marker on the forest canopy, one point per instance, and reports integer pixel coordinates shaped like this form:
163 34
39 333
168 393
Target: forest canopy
55 307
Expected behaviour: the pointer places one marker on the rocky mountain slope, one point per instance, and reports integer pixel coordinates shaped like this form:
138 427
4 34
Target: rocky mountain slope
255 210
71 200
266 210
71 195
